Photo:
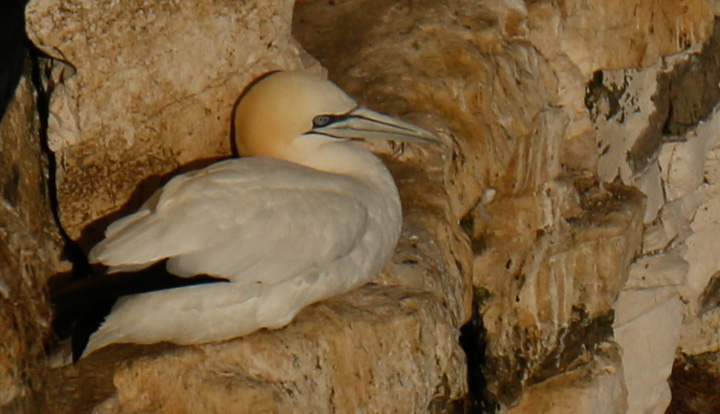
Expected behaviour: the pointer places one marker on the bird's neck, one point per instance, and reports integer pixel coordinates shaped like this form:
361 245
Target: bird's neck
349 159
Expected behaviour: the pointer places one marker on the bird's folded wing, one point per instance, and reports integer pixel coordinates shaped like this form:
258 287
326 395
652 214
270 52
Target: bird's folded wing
246 220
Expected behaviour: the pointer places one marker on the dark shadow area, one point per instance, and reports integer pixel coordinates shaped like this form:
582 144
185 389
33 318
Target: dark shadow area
83 297
694 383
13 43
325 29
40 67
692 88
473 342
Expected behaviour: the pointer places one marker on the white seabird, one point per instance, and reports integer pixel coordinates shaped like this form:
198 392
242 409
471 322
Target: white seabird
305 214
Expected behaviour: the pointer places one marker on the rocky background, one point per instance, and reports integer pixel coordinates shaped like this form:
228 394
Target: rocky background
558 250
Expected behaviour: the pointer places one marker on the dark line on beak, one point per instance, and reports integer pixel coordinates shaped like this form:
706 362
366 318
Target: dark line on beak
312 131
381 123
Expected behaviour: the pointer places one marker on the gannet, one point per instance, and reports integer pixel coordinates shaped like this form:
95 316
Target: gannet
303 215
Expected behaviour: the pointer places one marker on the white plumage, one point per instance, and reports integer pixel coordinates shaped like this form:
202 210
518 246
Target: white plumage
306 215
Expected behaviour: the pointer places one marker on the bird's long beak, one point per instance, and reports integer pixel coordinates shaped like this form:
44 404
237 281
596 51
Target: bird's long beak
372 126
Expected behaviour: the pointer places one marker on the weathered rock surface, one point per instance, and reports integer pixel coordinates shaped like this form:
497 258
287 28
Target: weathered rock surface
29 252
658 130
349 361
492 96
515 205
148 87
499 100
595 387
552 275
647 327
618 34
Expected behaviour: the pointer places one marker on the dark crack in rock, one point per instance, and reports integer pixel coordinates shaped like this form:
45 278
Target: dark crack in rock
710 297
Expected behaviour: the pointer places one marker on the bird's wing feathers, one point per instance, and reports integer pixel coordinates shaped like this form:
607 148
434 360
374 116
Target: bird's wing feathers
246 220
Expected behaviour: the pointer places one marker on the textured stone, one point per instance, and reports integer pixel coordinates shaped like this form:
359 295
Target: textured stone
338 356
701 334
648 345
511 197
578 150
148 87
662 269
710 297
595 387
29 251
622 107
702 244
618 34
492 98
652 320
682 163
693 88
498 102
552 274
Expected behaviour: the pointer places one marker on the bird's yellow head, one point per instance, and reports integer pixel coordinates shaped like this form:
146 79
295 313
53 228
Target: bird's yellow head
281 107
285 106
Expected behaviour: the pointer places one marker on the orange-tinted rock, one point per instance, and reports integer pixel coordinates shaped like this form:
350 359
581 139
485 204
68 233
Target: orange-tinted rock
29 252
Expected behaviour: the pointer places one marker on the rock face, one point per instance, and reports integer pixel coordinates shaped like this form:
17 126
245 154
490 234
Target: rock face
29 251
147 88
552 276
569 213
595 386
552 248
666 118
618 34
381 348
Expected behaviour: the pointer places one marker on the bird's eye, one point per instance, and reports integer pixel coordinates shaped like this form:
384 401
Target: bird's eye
321 120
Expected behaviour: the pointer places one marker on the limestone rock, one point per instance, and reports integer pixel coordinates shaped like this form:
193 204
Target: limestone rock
515 204
497 101
648 344
29 252
552 275
658 270
692 90
701 245
337 356
617 34
700 327
668 150
621 105
148 87
493 98
701 334
595 387
710 297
